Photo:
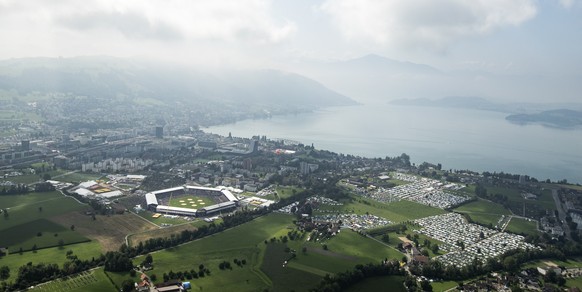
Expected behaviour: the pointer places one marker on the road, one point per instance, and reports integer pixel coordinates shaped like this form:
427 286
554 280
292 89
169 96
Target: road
561 213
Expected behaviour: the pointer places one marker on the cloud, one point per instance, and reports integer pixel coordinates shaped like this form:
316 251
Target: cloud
217 20
130 24
567 3
404 23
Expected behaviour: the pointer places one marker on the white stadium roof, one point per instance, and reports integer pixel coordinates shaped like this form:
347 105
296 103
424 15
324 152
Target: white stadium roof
229 195
84 192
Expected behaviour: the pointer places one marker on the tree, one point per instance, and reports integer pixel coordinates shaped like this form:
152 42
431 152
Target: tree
149 259
386 238
510 264
480 191
4 272
426 286
127 285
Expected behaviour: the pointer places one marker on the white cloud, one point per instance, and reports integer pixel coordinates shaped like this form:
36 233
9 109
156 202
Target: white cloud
217 20
567 3
404 23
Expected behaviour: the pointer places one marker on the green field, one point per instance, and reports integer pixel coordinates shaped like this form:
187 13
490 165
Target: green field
388 283
519 225
575 282
27 216
483 212
443 286
89 281
42 233
394 240
190 201
286 278
241 242
84 251
23 179
514 195
345 250
351 243
395 212
287 192
247 242
482 206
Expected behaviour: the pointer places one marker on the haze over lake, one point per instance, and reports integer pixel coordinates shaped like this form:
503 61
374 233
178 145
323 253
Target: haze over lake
457 138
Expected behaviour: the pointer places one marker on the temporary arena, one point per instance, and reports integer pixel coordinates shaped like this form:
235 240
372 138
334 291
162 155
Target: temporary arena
225 200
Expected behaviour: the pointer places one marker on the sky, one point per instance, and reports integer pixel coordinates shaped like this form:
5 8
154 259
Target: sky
524 37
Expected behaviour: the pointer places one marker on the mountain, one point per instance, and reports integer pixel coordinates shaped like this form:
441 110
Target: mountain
107 77
373 78
559 118
375 64
377 79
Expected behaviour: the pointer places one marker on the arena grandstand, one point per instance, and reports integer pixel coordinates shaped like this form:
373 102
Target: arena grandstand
225 200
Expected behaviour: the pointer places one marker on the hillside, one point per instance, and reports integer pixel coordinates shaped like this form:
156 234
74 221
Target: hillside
107 77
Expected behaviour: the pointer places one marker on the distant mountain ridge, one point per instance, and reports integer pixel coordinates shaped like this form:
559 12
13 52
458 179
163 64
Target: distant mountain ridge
112 78
373 62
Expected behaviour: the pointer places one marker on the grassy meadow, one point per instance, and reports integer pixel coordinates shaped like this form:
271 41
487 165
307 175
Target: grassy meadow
25 223
89 281
84 251
399 211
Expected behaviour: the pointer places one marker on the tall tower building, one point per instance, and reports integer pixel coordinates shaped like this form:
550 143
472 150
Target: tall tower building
25 145
159 132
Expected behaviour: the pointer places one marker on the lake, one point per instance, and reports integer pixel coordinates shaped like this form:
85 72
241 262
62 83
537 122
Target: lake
456 138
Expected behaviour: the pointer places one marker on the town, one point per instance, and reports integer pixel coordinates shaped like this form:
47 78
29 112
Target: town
183 184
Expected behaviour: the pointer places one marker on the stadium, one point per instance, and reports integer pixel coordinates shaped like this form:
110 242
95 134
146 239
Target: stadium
191 201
